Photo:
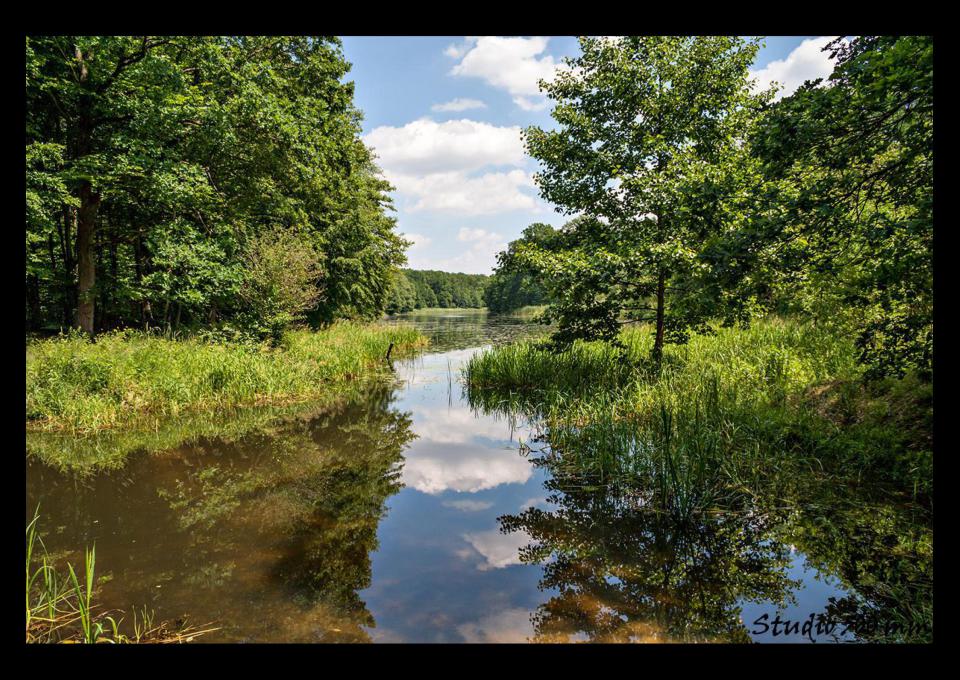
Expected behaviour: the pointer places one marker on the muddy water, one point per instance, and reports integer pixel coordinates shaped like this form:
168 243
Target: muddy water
396 513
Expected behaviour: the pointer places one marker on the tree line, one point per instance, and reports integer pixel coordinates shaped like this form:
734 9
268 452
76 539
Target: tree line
215 182
700 198
514 283
419 289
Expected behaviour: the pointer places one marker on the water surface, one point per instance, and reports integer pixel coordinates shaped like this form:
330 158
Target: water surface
396 513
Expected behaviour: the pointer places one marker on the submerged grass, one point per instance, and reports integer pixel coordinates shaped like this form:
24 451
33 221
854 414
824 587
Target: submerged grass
724 412
76 385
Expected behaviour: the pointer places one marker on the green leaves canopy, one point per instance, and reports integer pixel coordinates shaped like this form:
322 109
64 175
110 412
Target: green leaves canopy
195 146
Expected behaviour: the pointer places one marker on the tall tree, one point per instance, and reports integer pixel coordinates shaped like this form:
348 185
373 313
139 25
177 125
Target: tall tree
649 144
515 284
848 220
153 163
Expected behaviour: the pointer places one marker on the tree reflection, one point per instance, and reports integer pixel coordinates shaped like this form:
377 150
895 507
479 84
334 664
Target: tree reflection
883 554
312 491
624 572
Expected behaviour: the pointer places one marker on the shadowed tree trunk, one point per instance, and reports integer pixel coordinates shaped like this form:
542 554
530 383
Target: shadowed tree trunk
658 341
87 212
86 267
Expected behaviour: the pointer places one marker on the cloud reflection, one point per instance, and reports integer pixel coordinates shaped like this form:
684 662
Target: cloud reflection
498 550
510 625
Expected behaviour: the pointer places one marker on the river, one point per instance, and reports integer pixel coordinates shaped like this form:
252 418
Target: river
399 514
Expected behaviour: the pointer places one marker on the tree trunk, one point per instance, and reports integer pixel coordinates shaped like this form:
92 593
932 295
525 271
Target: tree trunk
658 341
146 313
87 212
86 267
34 317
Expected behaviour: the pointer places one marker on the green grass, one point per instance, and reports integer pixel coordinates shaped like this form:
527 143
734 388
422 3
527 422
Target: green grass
61 608
726 412
79 386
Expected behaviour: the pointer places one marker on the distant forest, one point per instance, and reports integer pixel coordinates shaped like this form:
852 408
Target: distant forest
513 284
419 289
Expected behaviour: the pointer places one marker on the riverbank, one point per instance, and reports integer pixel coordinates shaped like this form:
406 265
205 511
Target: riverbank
83 387
726 410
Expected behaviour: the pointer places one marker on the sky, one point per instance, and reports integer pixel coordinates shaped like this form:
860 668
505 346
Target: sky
444 115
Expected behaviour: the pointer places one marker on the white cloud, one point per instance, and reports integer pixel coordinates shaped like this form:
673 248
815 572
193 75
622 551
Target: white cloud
806 62
528 104
468 505
419 240
480 257
535 502
498 550
512 64
457 51
457 192
452 453
466 234
433 470
459 104
426 146
453 166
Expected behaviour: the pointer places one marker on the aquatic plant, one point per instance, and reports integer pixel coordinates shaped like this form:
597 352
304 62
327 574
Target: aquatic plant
720 412
60 609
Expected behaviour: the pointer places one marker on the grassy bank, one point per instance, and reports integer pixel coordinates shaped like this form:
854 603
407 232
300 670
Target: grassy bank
76 385
725 412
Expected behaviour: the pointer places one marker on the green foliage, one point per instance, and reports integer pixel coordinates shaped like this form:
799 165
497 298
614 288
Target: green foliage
515 284
182 153
846 233
649 147
702 201
75 384
420 289
280 281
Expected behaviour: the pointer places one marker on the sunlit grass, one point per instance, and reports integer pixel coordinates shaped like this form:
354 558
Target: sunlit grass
81 386
723 411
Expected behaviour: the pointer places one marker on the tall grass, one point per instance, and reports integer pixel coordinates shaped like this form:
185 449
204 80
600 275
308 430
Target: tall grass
62 609
722 413
82 386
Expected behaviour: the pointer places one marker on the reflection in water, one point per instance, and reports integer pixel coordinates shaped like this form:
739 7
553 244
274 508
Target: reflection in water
270 535
625 573
395 513
882 551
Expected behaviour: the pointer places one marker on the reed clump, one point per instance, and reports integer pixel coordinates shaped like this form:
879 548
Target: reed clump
718 415
61 608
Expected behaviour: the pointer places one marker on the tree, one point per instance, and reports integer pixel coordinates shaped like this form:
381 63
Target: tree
649 146
515 284
403 295
431 288
280 280
153 163
848 220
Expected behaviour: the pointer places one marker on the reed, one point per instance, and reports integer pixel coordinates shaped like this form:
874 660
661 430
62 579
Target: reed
720 415
63 610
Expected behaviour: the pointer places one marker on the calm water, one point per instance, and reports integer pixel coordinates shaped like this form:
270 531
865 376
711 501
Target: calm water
398 514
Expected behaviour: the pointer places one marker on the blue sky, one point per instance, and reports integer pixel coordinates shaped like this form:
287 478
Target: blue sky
444 116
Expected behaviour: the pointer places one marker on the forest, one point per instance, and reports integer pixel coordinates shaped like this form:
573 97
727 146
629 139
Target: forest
200 182
425 289
721 402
